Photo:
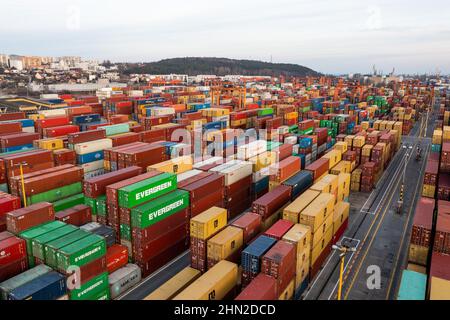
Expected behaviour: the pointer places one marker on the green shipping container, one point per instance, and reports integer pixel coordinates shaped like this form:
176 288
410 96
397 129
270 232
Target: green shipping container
146 190
101 205
103 295
265 112
69 202
91 289
81 252
91 202
56 194
293 129
412 286
51 248
30 234
125 232
271 145
39 242
22 278
159 209
116 129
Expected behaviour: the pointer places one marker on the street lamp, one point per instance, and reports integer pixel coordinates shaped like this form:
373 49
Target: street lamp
21 165
343 250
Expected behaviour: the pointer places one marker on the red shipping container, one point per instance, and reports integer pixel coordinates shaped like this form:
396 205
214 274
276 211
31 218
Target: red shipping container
18 139
10 127
51 122
271 202
12 249
153 135
96 186
250 223
89 271
12 269
340 232
263 287
33 215
279 262
203 187
285 169
64 156
116 257
125 138
12 116
214 199
319 167
86 136
77 215
423 222
284 151
60 131
279 229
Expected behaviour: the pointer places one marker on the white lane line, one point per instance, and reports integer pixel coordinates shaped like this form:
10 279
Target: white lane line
345 268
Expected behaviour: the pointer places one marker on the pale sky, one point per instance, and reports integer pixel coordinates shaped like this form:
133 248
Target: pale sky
330 36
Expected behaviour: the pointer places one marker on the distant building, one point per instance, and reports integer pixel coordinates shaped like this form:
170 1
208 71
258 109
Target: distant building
15 62
4 58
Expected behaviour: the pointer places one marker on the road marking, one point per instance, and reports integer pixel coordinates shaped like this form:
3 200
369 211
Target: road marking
370 243
391 280
345 268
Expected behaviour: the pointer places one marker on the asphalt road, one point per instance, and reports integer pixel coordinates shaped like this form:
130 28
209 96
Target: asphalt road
379 234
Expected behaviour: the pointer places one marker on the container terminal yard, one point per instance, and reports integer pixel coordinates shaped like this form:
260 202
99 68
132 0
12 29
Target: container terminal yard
263 188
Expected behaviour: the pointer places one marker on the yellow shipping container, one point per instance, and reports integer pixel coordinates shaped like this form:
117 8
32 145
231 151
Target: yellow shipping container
317 235
334 156
428 191
359 141
215 284
349 140
300 236
446 134
343 185
342 167
273 185
341 146
383 125
175 285
292 211
376 124
237 123
367 150
341 213
263 160
317 250
417 268
225 243
329 184
301 272
291 115
437 136
176 165
288 294
439 289
317 211
207 223
164 125
365 125
418 254
215 112
390 125
50 144
270 221
398 126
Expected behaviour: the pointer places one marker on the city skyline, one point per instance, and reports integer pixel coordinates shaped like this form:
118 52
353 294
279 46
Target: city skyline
329 37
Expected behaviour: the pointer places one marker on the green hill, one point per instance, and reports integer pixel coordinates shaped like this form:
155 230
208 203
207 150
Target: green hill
217 66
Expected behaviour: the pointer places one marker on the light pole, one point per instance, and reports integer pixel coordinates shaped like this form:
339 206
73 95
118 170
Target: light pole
343 250
21 165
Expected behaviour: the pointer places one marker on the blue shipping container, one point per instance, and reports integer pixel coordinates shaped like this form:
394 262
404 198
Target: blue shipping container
90 157
299 183
91 118
412 286
17 148
261 185
251 256
49 286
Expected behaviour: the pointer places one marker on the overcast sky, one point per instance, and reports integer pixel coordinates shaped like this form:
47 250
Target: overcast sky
330 36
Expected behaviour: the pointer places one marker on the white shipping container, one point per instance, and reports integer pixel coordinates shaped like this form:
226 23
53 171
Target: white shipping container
91 226
283 130
252 149
188 174
291 140
207 161
295 148
179 150
92 166
123 279
47 96
53 112
156 111
225 165
92 146
28 129
238 172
